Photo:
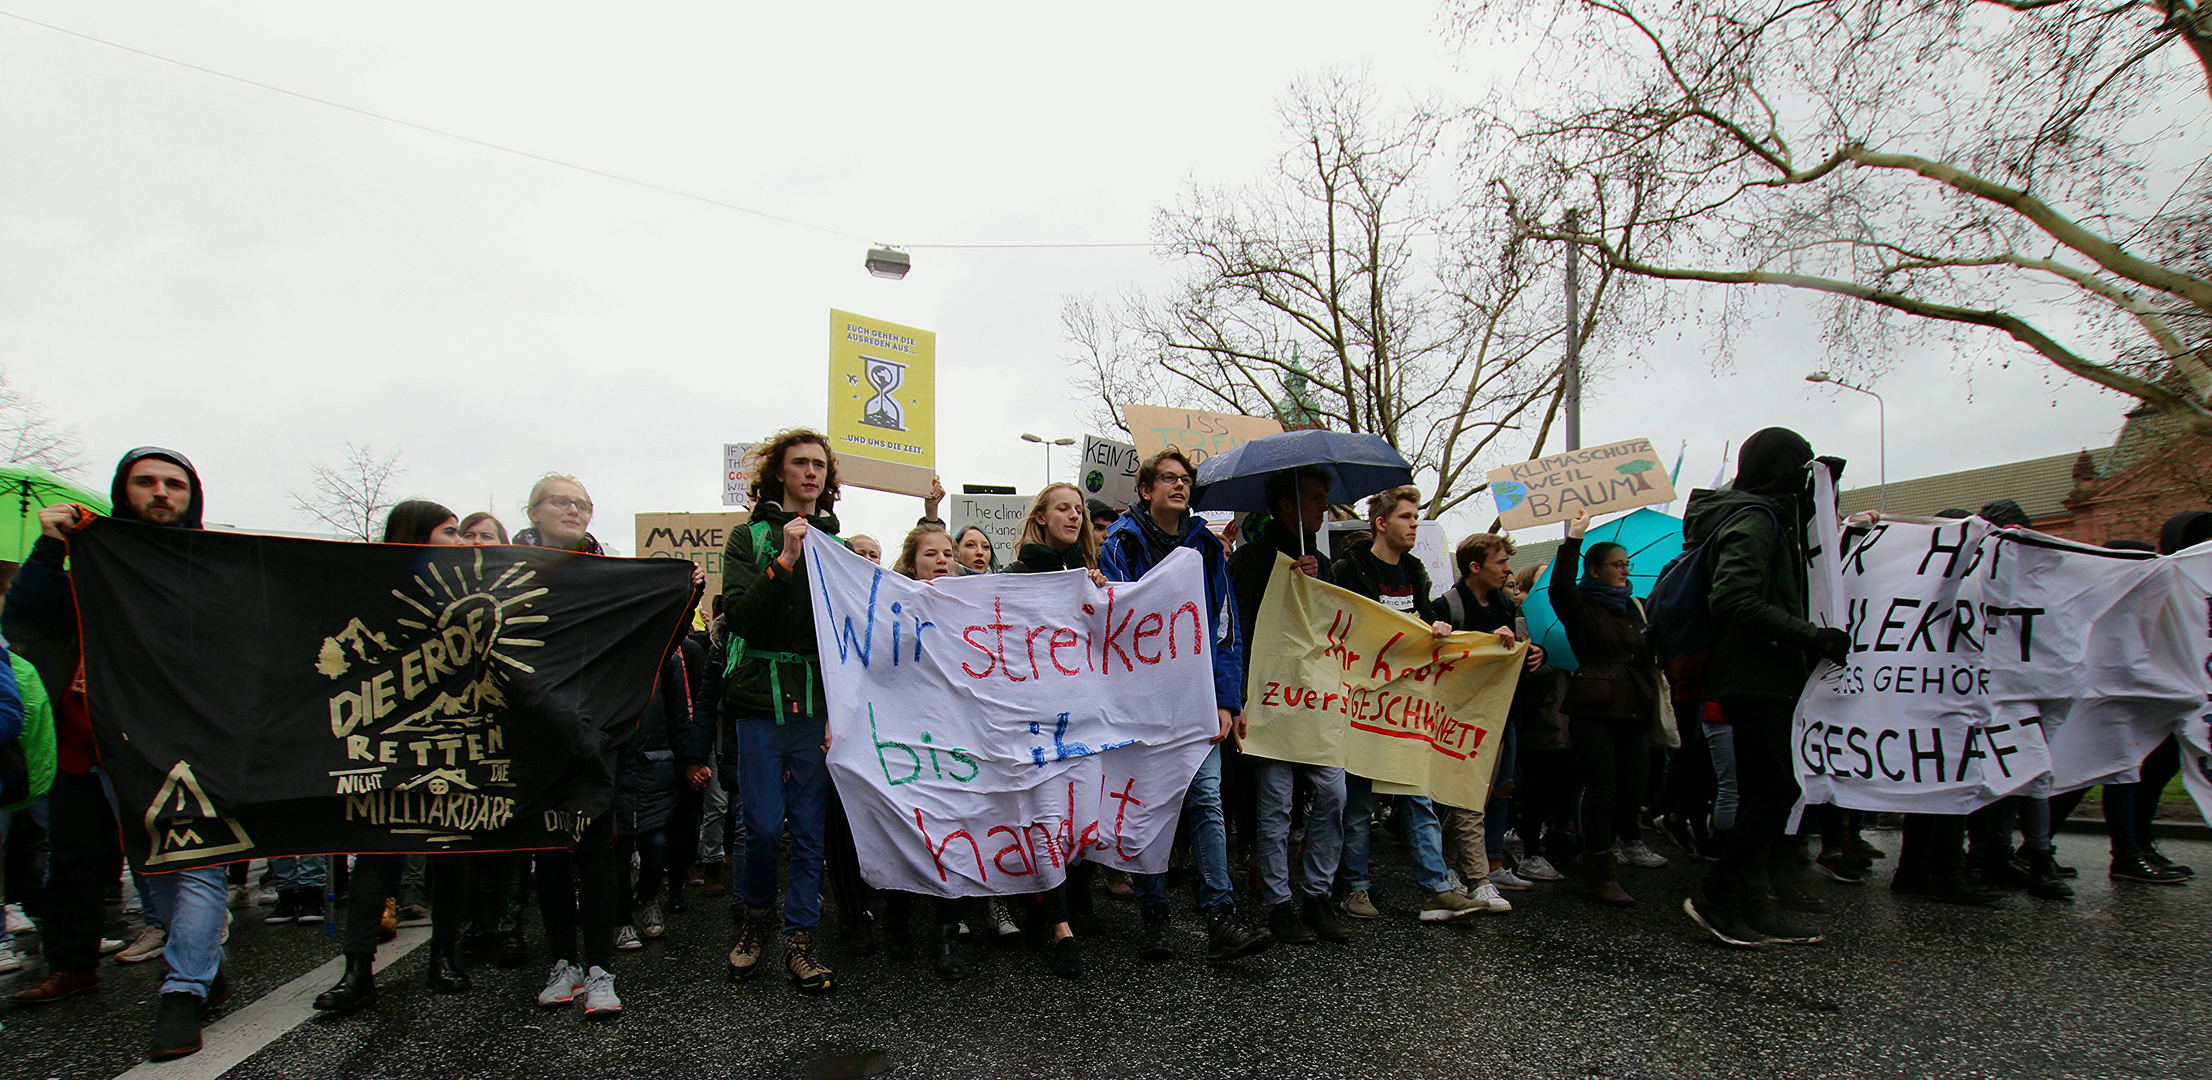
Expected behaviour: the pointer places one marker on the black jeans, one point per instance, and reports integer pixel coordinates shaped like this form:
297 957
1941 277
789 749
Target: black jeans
576 891
84 859
1613 754
841 863
376 879
1544 799
1766 788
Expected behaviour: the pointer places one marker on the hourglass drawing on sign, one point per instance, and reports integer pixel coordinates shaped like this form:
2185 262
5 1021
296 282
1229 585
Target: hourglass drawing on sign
883 410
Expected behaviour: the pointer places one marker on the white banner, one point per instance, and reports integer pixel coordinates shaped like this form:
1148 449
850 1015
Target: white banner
989 730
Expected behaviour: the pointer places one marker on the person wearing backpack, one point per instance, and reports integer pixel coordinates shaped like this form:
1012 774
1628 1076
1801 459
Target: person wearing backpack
1611 698
1751 538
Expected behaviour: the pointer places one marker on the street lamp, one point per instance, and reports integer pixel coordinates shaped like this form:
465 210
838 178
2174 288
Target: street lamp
1048 444
1881 413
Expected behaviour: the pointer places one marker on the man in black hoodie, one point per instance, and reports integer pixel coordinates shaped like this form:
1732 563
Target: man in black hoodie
1757 595
157 487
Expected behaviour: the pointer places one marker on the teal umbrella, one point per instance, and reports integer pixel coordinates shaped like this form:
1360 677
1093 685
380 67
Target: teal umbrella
24 491
1652 539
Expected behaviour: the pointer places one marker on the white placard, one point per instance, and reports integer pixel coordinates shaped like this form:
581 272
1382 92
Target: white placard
736 481
999 516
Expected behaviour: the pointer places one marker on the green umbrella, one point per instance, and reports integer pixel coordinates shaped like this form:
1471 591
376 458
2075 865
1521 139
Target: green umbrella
24 491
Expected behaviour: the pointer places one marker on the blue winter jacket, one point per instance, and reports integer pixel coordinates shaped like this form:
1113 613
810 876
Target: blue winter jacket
1135 544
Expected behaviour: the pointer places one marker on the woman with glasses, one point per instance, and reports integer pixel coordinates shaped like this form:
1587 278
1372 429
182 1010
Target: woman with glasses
1610 702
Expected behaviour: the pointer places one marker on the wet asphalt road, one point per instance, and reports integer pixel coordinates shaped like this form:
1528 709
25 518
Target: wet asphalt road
2115 984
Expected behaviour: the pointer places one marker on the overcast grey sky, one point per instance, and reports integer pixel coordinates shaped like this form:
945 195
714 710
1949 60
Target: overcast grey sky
255 279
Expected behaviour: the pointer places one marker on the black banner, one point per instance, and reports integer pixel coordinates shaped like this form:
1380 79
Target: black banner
257 695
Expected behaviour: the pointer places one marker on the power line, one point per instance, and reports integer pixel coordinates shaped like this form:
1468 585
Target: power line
541 158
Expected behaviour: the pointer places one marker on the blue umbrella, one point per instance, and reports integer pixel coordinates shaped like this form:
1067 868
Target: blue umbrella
1653 539
1358 465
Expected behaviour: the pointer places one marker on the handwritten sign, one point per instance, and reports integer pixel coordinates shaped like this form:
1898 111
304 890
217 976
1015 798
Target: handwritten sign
999 516
1195 432
989 731
1599 479
1338 679
697 538
737 479
1109 471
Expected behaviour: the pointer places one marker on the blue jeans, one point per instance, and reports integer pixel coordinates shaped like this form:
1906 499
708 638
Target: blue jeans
1209 842
1275 787
299 872
1500 809
1417 826
195 904
1720 742
765 750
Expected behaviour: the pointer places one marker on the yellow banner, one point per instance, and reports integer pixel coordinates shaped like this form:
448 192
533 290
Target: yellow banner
1338 679
883 403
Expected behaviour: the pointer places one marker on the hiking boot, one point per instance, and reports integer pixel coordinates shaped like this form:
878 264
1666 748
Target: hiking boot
800 966
1638 854
562 985
1320 917
2043 880
600 999
357 987
149 943
1359 905
1722 922
1119 886
1288 928
1001 921
951 966
176 1027
1228 939
58 985
1153 946
1538 868
752 941
1601 880
387 927
1447 905
717 880
2136 867
2157 858
1770 925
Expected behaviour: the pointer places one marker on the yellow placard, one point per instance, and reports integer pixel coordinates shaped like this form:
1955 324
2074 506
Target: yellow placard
1196 432
1338 679
883 403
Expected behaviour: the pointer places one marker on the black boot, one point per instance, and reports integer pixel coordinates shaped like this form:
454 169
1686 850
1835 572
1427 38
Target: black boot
1082 913
1320 917
357 987
176 1027
898 933
445 973
1288 928
2134 867
949 964
1229 939
511 952
1154 944
1067 959
2043 879
1994 863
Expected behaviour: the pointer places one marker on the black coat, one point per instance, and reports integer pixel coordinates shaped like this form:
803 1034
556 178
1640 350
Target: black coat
1618 677
645 792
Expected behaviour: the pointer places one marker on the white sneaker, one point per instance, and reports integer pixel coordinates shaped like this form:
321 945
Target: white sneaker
266 898
19 923
599 996
650 923
562 985
1487 900
1503 877
1639 854
626 938
10 959
110 946
1003 919
1537 868
149 943
1513 851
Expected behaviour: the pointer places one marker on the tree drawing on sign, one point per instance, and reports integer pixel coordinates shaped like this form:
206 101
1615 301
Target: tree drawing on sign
1635 470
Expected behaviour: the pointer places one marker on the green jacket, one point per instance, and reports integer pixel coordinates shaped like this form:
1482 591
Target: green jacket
1756 595
37 740
767 608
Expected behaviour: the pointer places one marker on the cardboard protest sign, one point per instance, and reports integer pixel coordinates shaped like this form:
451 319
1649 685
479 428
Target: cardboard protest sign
257 696
987 731
1109 471
999 516
1337 679
883 403
1600 479
1196 432
697 538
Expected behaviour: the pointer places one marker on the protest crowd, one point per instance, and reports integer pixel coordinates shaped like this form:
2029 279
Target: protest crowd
724 794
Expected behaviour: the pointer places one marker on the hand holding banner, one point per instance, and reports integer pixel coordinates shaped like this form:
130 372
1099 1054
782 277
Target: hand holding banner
1337 679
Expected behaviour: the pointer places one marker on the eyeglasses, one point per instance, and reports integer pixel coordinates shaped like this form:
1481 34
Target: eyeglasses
1621 564
1173 479
563 502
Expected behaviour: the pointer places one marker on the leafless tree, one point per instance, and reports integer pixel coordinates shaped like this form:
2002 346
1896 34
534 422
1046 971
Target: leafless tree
1345 290
351 498
29 435
2033 167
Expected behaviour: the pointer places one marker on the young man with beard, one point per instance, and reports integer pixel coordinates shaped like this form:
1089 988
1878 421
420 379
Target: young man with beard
1157 523
158 487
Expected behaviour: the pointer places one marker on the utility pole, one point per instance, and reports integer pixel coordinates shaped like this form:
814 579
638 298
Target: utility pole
1574 337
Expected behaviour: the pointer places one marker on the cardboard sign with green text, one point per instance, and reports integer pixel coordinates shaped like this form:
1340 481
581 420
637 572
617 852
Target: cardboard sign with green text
1599 479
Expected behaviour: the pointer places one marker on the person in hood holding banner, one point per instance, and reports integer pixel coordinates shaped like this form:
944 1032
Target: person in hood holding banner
1157 523
158 487
773 698
1757 594
1385 570
1297 500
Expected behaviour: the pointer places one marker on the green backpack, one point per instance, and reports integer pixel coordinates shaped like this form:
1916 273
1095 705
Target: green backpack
32 752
